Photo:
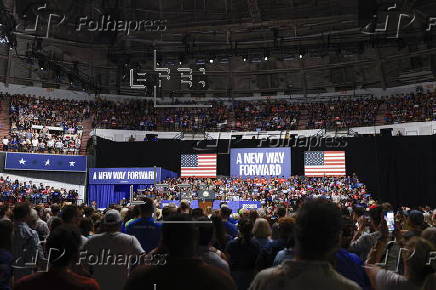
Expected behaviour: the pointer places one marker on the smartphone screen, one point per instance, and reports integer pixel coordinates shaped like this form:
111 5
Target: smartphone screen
390 220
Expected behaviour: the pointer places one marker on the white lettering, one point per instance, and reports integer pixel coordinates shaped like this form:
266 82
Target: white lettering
431 23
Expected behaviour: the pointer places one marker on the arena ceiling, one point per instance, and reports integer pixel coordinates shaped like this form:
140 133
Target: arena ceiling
258 46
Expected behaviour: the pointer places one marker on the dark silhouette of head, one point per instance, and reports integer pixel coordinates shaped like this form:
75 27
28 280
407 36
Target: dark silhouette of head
146 209
180 239
317 229
64 243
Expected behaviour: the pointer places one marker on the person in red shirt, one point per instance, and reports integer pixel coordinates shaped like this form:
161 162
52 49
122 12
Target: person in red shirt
64 243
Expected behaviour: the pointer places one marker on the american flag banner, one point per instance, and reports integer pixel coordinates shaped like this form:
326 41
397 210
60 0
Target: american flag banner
324 163
198 165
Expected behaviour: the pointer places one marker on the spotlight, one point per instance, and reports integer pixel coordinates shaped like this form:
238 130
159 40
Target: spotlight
180 62
301 56
245 59
265 58
211 60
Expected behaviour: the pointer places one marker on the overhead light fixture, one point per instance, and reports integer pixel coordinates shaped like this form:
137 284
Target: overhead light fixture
301 56
245 59
265 58
211 60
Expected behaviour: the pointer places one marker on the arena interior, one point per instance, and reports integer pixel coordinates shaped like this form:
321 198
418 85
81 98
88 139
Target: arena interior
237 144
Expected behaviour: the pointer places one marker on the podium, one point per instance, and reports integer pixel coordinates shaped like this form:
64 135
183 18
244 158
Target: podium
204 205
205 199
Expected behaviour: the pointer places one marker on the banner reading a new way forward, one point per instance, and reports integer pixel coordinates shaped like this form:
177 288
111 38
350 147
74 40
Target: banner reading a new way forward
45 162
260 162
146 175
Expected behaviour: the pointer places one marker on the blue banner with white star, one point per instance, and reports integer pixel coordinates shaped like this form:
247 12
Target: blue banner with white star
45 162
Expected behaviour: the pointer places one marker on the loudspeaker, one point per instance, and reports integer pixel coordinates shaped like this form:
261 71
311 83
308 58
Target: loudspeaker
386 132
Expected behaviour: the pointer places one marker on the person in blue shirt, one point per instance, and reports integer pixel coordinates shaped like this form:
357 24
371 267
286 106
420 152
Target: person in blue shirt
349 264
144 228
230 227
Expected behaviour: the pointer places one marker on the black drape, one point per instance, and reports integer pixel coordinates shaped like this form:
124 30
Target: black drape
400 170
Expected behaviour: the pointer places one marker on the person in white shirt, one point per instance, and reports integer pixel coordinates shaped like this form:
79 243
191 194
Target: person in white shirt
34 144
59 146
110 274
5 143
50 144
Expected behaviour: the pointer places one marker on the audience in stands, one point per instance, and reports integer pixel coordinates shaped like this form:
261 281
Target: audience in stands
15 191
42 125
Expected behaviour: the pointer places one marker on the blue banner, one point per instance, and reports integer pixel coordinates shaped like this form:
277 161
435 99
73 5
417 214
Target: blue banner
260 162
45 162
148 175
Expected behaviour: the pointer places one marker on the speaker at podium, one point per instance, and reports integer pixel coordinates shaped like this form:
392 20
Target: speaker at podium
206 195
205 199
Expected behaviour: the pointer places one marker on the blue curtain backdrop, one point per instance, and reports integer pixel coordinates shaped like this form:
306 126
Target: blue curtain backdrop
106 194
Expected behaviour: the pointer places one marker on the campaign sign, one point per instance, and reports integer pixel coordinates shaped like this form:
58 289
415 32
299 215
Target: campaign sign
250 204
124 175
236 205
233 205
164 203
45 162
260 162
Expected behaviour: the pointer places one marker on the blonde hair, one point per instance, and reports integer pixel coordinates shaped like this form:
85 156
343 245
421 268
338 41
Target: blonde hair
261 228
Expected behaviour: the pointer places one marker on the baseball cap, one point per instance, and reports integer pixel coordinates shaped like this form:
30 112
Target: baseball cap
112 217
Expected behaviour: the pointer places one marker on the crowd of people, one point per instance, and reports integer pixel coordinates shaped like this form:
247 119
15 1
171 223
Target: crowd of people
267 115
270 192
55 126
343 114
42 125
410 108
42 141
28 111
311 233
13 191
